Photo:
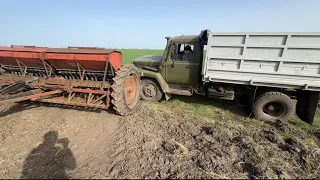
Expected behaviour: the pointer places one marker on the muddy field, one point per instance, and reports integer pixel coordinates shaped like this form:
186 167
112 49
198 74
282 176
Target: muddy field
158 140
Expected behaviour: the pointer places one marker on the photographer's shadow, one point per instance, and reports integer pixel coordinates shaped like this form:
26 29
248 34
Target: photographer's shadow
50 159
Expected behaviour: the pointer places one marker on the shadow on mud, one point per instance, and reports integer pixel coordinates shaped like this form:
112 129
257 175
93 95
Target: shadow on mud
50 159
26 105
237 107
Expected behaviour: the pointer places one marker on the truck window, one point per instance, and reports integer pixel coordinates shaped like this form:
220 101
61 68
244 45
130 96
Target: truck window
181 54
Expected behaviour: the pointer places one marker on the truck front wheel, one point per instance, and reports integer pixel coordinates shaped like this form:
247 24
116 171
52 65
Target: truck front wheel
273 106
150 90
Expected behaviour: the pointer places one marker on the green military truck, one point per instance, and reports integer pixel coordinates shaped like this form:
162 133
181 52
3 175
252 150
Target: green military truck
268 69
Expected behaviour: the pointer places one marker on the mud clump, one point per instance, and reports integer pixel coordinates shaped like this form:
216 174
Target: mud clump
170 146
291 145
208 130
271 135
282 126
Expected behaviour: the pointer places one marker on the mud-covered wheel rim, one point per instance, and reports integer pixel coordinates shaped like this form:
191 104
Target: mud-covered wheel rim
273 106
149 90
130 90
274 109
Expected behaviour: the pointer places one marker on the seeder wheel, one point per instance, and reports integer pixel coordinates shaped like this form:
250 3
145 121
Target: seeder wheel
125 89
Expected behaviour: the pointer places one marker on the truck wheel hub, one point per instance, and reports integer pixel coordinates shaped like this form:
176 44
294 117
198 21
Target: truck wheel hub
149 90
274 109
271 108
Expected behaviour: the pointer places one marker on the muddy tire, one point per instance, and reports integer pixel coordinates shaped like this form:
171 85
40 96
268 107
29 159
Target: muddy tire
125 89
150 90
273 106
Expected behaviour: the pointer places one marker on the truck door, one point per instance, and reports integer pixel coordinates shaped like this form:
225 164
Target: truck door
179 70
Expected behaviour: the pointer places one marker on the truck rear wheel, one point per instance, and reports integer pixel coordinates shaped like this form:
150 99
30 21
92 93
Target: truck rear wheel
125 89
150 90
273 106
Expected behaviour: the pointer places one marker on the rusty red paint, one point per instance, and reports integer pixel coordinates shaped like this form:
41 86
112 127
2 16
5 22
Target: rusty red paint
90 91
35 96
92 59
22 48
74 103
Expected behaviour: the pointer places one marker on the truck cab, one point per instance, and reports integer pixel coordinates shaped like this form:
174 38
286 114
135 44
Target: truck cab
179 70
176 71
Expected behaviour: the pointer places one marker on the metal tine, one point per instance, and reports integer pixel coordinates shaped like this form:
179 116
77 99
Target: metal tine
92 77
88 76
77 76
63 75
74 75
69 75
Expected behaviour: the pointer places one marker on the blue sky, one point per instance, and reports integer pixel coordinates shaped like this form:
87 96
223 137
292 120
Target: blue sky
145 23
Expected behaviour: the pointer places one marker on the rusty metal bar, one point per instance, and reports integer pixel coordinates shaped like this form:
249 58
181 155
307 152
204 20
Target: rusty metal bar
105 73
71 95
89 98
81 70
73 103
19 64
52 83
108 101
12 87
34 96
90 91
95 101
46 66
112 72
56 86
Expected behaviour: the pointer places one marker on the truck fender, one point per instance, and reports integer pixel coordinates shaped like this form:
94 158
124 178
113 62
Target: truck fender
307 105
156 76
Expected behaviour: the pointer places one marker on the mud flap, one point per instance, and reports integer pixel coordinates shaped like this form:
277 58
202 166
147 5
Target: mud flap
307 105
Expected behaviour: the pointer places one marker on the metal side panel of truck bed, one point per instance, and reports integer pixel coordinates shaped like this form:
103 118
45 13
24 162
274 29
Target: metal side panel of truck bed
286 60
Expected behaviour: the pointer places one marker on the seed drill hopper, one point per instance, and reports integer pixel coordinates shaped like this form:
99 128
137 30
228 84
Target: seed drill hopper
78 76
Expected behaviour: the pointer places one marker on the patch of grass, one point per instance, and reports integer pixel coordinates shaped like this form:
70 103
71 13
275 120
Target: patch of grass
198 108
129 55
194 111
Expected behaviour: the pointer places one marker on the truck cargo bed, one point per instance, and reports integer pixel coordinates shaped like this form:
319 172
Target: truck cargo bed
286 60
